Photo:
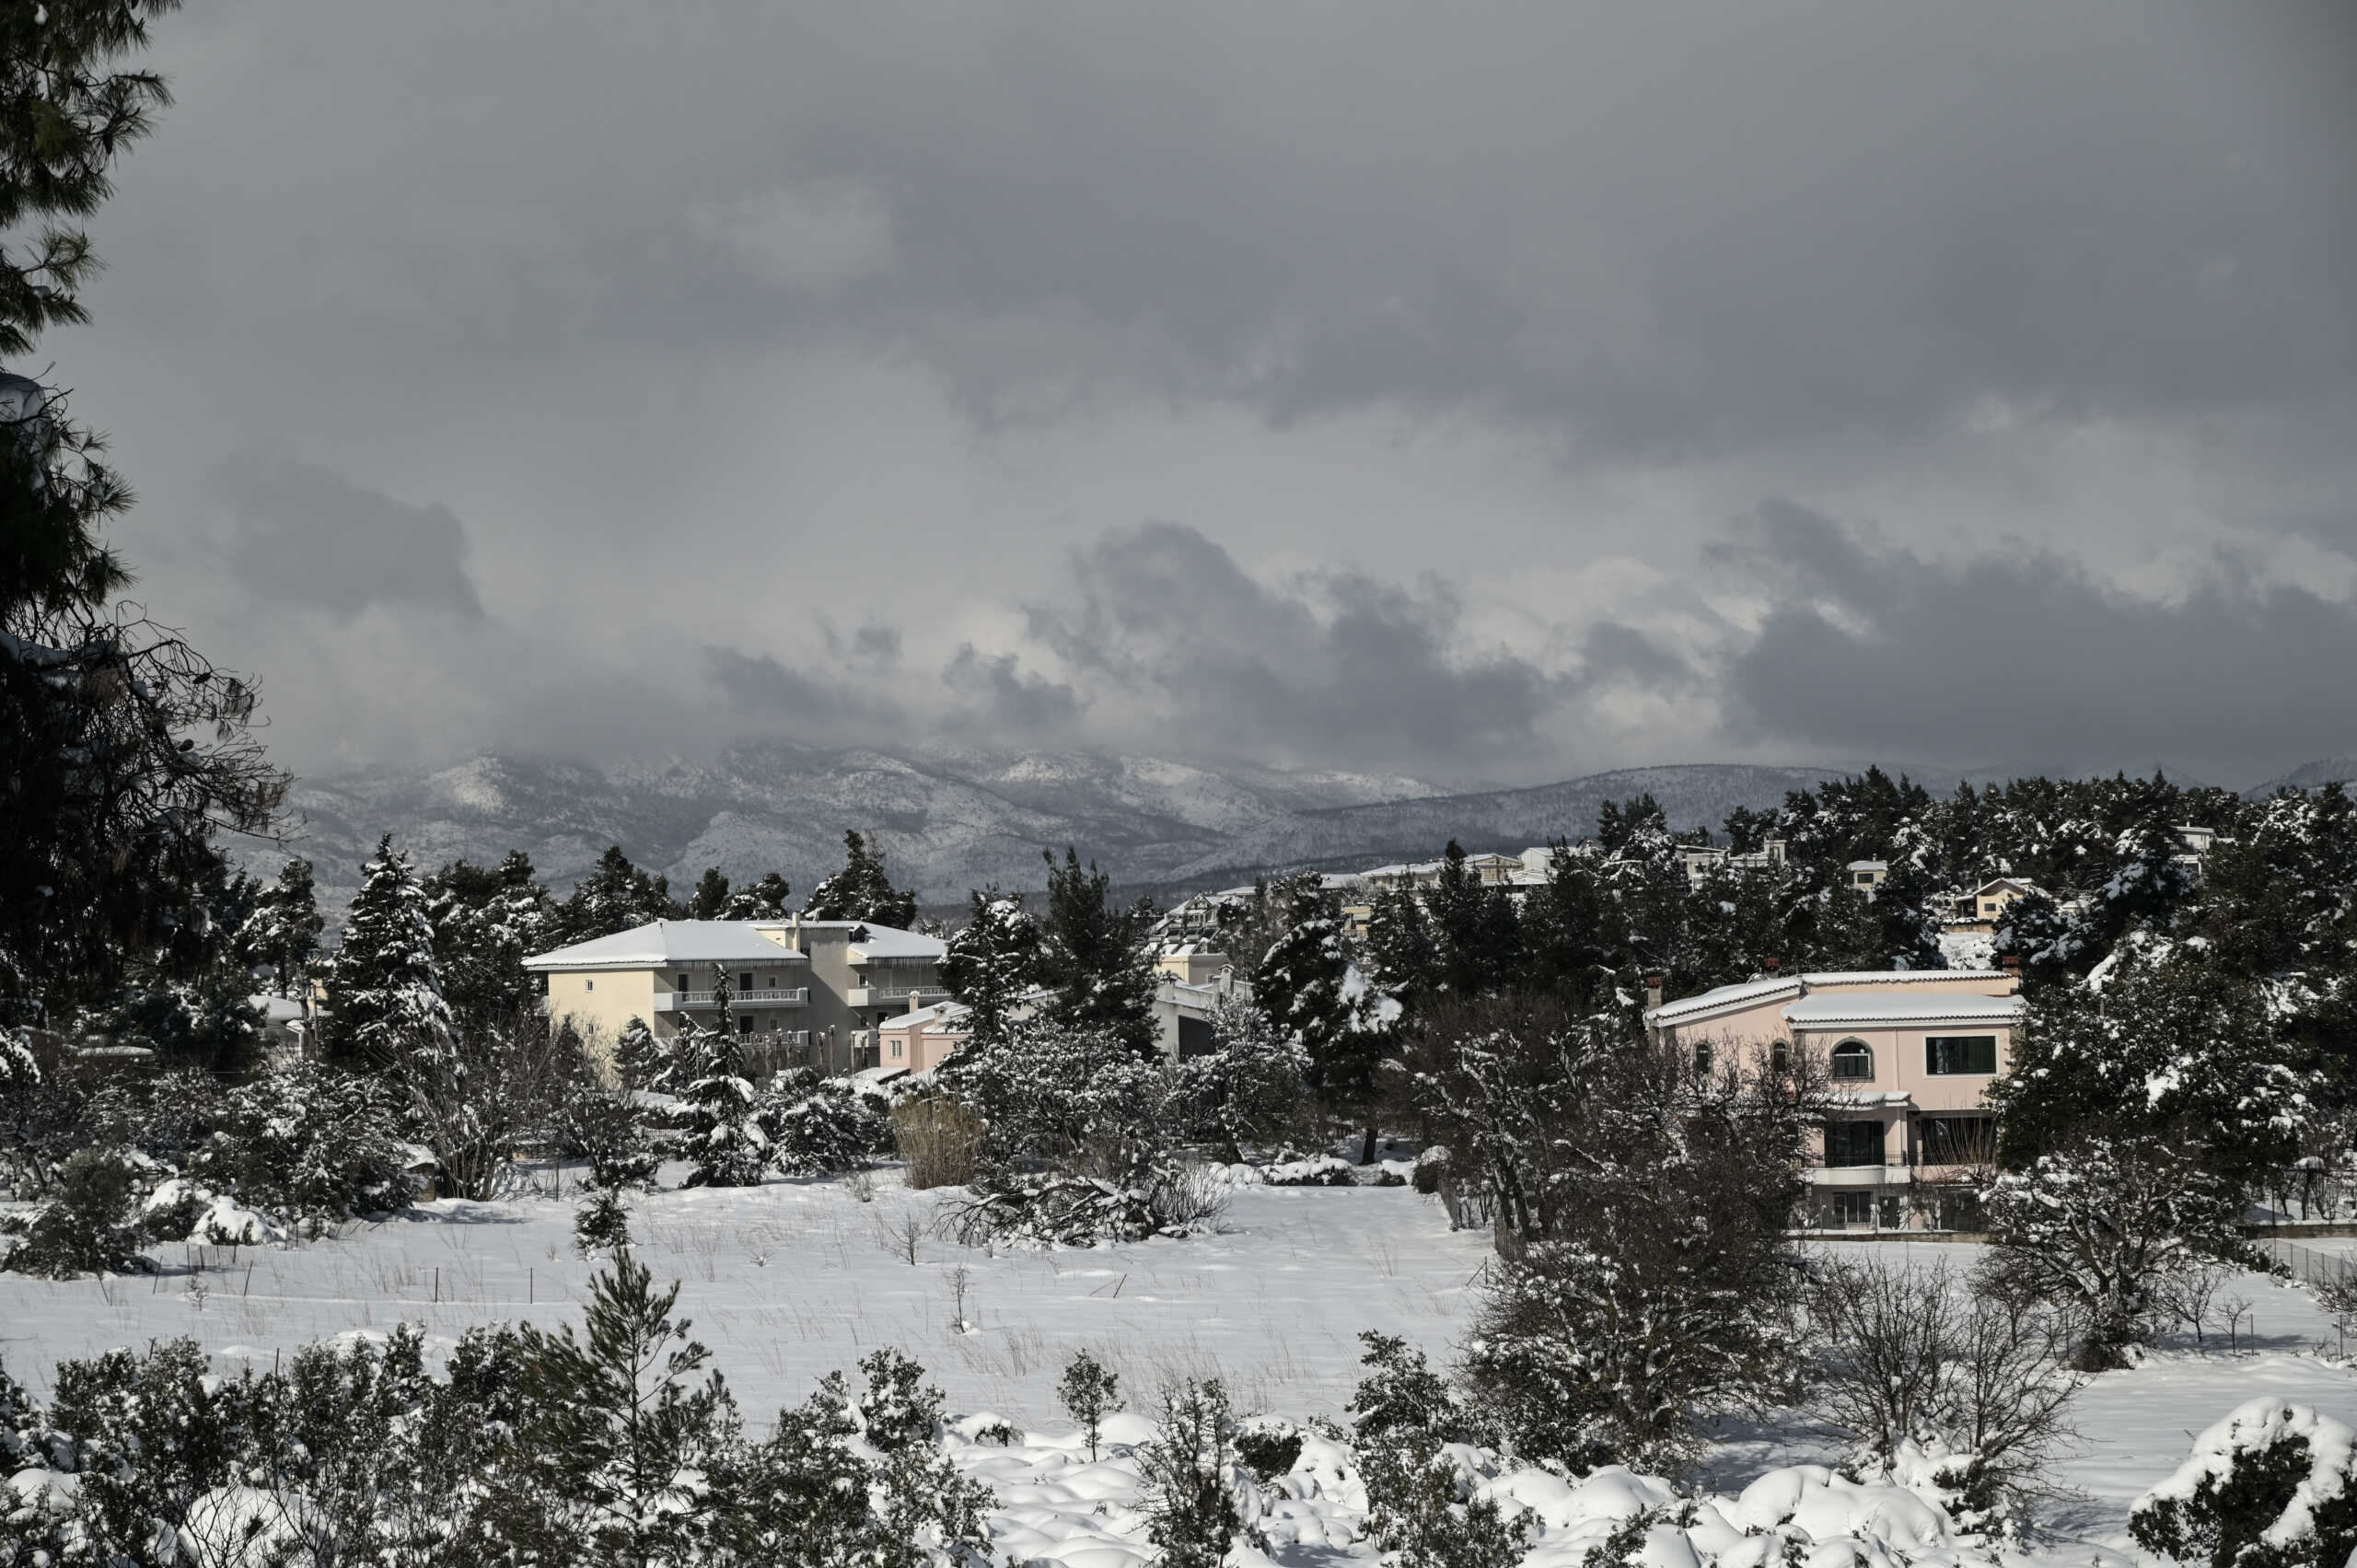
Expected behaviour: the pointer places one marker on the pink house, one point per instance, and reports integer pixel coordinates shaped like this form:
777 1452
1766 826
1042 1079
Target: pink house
1910 1055
918 1041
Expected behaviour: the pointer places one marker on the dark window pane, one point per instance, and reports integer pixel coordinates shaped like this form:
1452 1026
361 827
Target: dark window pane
1950 1055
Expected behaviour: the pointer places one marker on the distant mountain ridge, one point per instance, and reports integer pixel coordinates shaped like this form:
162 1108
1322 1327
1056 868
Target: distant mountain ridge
950 818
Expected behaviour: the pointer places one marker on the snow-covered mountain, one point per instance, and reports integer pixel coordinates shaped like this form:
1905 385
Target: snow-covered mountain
948 819
953 819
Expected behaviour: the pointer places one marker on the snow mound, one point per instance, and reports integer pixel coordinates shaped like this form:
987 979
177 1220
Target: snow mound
1058 1509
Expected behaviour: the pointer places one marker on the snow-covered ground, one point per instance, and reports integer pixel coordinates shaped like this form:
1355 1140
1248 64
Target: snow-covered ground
792 1280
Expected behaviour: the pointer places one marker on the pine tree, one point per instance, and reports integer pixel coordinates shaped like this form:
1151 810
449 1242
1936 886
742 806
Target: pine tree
1399 945
727 1129
1096 960
125 750
615 1458
1314 994
993 960
487 921
710 900
283 932
1190 1512
765 899
861 890
384 991
615 897
1090 1392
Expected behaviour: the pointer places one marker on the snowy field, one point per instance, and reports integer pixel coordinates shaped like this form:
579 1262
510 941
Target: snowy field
791 1280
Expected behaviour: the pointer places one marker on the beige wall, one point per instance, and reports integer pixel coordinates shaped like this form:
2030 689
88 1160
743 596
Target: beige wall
601 1003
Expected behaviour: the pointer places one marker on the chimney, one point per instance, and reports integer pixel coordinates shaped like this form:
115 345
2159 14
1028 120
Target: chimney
1654 983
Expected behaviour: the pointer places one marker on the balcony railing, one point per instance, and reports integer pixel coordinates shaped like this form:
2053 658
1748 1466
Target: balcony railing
884 995
779 996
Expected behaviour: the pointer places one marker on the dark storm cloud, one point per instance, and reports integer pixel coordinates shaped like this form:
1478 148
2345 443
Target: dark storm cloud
996 695
1340 667
1611 653
303 537
2021 653
763 688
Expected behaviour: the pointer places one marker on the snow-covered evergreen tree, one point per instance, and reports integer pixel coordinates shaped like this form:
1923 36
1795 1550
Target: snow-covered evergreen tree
384 990
487 921
2159 1039
861 890
765 899
282 934
1095 958
993 960
616 896
2102 1221
710 900
725 1127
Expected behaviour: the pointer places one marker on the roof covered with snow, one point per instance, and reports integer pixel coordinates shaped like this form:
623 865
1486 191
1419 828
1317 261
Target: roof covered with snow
670 942
1846 1009
1753 993
886 942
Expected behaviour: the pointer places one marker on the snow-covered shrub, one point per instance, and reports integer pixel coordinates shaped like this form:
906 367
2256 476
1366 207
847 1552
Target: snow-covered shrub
1074 1096
2273 1485
2098 1224
90 1226
1319 1170
307 1142
1250 1089
608 1127
940 1139
1059 1208
827 1125
1191 1513
1410 1437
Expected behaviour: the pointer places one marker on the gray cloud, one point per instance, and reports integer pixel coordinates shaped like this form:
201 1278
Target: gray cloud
2024 654
763 687
1339 666
995 696
306 538
710 331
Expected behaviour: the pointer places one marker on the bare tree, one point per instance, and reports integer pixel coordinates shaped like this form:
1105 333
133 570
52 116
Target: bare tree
478 1092
1927 1371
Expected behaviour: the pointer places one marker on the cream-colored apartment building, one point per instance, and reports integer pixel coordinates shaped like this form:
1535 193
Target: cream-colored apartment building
809 991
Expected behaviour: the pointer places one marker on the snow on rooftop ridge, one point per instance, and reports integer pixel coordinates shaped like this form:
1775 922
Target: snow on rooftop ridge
1904 1006
1768 988
671 942
1724 996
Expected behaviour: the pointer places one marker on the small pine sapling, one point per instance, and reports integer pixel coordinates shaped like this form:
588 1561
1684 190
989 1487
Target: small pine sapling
602 1224
1191 1513
1090 1392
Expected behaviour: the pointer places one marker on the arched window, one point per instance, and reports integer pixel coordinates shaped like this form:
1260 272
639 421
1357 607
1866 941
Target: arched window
1854 1062
1703 1056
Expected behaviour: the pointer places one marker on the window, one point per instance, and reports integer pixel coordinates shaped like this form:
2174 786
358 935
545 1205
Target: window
1853 1208
1854 1142
683 981
588 985
1989 906
1953 1055
1701 1056
1865 878
1779 1057
1854 1062
745 981
745 1023
1956 1140
896 1051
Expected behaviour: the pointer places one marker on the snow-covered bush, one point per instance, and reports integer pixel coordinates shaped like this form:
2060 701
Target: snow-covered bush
2273 1485
1318 1170
88 1227
1411 1439
827 1125
1058 1093
1192 1513
309 1144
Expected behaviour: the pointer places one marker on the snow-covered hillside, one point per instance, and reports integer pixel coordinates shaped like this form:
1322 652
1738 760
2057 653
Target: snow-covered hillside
948 818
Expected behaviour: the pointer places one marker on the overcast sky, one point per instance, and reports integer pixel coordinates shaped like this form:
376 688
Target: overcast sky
1489 394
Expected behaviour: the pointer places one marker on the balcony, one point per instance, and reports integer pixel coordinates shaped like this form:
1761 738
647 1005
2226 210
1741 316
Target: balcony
908 996
781 996
1860 1175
